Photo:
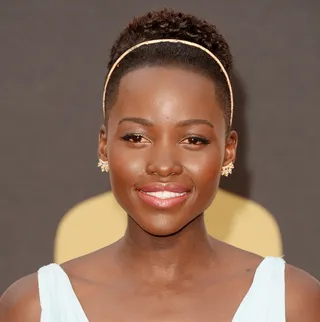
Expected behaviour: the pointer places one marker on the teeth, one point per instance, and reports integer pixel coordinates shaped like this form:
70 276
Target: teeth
165 194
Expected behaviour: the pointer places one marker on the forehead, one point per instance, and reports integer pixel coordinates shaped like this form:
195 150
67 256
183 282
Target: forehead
167 92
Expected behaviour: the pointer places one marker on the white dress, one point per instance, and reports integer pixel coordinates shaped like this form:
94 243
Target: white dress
264 301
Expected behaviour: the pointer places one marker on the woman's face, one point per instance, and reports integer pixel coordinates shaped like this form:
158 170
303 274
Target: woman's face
166 143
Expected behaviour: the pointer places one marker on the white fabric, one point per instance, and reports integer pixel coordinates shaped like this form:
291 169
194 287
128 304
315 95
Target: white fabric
264 301
57 298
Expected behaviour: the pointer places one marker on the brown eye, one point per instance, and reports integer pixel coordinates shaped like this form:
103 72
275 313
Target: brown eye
134 138
195 140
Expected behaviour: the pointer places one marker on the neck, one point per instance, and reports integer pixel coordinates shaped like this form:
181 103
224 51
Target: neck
169 257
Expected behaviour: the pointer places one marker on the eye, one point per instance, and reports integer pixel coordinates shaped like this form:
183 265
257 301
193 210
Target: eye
195 140
134 138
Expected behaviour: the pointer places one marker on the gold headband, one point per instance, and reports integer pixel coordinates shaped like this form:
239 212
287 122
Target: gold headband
155 41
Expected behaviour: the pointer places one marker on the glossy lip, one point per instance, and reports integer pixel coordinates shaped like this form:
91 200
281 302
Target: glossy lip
163 203
158 186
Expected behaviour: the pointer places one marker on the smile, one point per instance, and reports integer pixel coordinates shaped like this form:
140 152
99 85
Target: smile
163 199
165 194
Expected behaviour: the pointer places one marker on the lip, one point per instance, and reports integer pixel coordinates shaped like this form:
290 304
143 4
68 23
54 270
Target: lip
162 203
158 187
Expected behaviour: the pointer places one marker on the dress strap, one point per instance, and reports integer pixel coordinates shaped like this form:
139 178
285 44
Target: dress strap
57 298
265 300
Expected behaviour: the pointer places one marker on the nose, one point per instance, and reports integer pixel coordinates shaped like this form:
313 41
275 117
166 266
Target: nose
164 161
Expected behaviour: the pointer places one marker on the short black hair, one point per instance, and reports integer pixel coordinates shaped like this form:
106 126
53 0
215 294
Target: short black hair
169 24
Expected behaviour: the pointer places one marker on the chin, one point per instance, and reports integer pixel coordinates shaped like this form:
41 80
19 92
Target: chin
162 226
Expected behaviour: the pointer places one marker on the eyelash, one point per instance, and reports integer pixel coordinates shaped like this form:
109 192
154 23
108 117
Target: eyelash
134 138
198 139
131 137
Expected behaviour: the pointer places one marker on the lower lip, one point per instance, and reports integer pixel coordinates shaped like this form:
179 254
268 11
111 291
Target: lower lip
162 203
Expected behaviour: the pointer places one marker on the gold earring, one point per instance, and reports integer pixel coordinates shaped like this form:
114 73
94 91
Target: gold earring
226 170
104 165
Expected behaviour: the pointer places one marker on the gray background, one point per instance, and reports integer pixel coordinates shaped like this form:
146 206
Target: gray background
53 61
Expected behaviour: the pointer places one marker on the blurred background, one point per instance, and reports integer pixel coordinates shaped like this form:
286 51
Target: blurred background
52 67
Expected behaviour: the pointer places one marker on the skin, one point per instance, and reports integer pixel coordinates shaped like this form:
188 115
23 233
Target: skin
166 267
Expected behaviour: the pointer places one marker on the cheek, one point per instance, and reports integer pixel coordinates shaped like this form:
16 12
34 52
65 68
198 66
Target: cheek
125 167
125 163
205 171
205 167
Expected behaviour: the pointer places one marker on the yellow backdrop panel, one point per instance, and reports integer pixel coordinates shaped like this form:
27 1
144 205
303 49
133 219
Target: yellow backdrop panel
100 221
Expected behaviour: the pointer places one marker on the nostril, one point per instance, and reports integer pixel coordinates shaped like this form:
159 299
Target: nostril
164 170
164 162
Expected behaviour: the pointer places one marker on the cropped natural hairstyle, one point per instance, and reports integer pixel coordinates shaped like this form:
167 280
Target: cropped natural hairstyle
168 24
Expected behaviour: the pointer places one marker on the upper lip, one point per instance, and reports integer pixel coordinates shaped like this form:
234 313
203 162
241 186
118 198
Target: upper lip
158 186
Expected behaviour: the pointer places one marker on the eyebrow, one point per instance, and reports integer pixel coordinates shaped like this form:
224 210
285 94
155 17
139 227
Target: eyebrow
194 122
184 123
138 120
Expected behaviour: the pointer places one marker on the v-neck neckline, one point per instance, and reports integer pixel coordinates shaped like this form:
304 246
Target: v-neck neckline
235 316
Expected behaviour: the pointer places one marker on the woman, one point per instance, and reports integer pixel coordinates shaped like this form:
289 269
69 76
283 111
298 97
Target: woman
166 140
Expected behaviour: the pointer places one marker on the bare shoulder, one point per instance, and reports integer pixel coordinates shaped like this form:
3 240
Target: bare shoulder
237 258
20 302
302 296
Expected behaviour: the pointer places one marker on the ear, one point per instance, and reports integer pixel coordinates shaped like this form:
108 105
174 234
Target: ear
102 144
230 148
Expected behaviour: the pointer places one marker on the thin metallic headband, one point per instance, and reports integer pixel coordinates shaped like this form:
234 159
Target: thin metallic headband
155 41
